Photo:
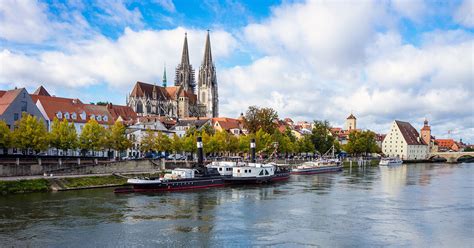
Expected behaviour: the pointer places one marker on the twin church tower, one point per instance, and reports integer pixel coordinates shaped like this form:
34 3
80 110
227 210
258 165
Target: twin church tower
183 99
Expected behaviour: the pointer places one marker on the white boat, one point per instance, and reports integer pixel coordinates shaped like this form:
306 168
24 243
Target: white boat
256 173
390 161
318 166
224 167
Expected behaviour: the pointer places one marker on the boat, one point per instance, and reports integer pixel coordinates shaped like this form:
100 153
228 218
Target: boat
179 178
390 161
256 173
319 166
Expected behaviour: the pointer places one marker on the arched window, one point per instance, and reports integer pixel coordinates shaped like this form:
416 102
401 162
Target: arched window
139 107
148 108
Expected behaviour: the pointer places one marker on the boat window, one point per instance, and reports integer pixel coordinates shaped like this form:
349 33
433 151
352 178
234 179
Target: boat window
238 171
220 169
266 172
261 173
245 171
250 171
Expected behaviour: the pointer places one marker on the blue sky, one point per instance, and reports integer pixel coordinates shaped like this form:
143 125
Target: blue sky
382 60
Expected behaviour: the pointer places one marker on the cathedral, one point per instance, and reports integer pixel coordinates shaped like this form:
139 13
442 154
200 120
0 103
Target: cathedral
183 99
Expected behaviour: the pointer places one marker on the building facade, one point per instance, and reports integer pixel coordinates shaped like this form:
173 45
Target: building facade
182 100
405 142
15 102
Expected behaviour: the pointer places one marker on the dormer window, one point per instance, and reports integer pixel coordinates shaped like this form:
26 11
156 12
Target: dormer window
74 115
59 115
83 115
66 115
92 117
99 118
105 118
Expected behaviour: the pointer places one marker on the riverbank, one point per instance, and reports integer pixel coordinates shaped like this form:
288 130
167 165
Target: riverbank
63 183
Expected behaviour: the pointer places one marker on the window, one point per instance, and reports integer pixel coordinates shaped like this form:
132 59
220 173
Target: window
238 171
99 118
261 173
105 118
15 116
24 106
220 169
59 115
24 95
245 171
66 115
250 171
266 172
92 117
83 115
74 116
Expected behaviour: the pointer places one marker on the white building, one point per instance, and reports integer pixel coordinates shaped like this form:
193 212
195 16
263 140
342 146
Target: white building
136 132
404 141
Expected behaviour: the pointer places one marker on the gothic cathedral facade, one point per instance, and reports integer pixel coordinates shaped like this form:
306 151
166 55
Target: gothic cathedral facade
183 99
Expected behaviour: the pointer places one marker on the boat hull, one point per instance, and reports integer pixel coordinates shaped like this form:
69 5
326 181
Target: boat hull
174 185
318 170
258 180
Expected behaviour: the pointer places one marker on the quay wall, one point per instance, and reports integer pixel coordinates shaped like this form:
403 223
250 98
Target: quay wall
15 168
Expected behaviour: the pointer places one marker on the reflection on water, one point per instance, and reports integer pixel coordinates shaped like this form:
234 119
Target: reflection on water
409 205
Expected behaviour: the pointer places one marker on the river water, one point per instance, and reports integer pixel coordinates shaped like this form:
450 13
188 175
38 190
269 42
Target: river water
416 205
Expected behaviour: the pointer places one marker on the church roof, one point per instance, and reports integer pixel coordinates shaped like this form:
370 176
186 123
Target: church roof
41 91
351 117
409 133
163 93
207 60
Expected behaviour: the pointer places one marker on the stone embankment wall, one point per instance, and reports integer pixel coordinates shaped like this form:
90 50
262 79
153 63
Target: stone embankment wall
83 166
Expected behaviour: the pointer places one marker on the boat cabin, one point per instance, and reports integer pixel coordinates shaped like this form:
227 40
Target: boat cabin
180 173
253 170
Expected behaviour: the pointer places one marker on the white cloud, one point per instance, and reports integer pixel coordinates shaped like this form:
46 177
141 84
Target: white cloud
167 5
23 21
411 9
116 12
136 55
464 14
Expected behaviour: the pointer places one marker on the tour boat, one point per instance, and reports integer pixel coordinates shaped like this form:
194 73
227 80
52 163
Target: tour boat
390 161
319 166
179 179
252 173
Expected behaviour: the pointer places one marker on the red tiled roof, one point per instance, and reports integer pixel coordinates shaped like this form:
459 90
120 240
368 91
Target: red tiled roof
411 136
53 105
124 112
227 123
41 91
448 143
7 98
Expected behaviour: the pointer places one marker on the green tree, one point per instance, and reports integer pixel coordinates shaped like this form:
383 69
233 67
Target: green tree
5 137
176 144
147 143
63 135
189 143
321 136
117 137
305 144
244 143
260 118
361 143
92 137
263 141
30 132
162 142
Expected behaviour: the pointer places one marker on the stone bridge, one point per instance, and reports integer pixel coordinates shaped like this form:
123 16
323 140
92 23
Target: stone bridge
451 157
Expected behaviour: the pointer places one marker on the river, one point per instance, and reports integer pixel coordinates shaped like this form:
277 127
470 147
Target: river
416 205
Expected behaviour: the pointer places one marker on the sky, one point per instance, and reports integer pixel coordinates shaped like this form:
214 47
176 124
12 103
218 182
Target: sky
381 60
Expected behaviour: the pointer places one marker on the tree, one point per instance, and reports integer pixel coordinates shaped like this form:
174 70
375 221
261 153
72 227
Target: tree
305 144
260 118
147 143
176 144
5 136
361 143
63 135
30 132
263 141
92 137
117 137
162 142
321 136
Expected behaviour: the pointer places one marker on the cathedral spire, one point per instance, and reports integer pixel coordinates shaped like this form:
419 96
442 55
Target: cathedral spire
185 56
164 76
207 51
